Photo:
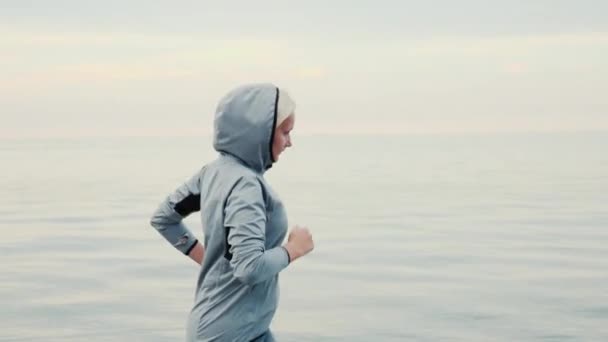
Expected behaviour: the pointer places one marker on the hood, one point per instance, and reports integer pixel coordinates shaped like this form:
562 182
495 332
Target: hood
244 125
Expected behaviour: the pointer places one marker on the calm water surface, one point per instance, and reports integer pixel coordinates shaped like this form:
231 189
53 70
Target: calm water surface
421 238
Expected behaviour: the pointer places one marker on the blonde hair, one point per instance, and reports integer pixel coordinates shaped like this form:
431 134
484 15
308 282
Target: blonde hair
285 107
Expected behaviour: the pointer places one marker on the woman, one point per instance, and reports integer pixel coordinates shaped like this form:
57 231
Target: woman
244 221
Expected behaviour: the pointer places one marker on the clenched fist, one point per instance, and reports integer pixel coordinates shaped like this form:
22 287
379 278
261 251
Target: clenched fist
299 243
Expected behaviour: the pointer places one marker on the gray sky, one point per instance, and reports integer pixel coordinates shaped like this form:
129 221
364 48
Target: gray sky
116 68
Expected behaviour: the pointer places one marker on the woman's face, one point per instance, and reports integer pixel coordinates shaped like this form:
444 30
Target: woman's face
282 138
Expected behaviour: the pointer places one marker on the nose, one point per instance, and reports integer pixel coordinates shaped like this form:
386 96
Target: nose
289 142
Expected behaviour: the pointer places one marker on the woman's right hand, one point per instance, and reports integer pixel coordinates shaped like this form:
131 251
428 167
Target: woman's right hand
299 243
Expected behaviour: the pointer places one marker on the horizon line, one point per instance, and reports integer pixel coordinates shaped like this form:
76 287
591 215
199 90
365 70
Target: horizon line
312 134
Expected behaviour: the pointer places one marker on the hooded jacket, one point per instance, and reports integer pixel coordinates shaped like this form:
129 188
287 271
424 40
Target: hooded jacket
244 222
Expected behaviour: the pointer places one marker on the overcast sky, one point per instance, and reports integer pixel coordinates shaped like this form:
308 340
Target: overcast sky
147 68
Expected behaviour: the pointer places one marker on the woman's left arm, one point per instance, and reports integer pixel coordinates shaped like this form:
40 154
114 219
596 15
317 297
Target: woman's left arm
167 219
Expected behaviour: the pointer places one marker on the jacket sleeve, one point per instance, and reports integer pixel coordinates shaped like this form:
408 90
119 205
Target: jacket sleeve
245 220
167 219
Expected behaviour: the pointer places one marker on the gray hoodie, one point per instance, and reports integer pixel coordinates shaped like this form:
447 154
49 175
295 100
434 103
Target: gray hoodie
244 222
